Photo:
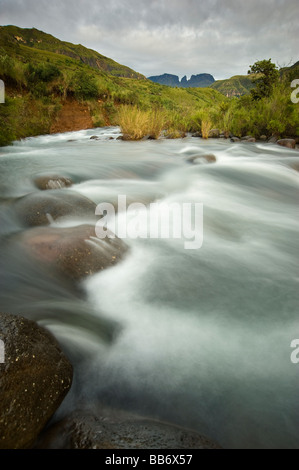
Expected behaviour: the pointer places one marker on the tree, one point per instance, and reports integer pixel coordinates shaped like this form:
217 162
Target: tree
267 77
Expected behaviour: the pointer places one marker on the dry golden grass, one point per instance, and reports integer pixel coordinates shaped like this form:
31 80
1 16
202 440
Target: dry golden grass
206 126
136 124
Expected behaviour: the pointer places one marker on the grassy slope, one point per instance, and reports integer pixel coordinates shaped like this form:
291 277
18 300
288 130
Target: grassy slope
11 36
39 81
240 85
290 73
234 86
24 54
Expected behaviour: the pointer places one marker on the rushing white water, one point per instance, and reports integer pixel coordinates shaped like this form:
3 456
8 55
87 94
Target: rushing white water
201 337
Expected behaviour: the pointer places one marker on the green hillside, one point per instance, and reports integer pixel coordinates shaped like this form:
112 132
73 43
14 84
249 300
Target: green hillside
290 73
235 86
17 40
42 73
240 85
54 86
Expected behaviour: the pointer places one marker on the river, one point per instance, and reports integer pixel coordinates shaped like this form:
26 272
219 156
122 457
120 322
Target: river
198 337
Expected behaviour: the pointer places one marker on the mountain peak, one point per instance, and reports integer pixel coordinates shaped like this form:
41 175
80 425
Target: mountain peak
201 80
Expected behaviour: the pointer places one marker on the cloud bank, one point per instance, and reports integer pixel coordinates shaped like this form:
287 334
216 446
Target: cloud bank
221 37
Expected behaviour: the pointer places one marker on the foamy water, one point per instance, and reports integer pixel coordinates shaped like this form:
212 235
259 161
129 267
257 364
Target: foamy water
200 337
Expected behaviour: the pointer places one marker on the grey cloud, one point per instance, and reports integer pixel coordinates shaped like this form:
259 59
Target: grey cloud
222 37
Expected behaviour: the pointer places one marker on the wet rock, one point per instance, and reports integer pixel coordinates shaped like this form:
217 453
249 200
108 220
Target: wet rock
235 139
34 380
148 137
126 137
273 139
226 134
263 138
210 158
176 134
289 143
295 166
52 182
41 208
248 138
94 137
214 133
75 252
197 134
115 430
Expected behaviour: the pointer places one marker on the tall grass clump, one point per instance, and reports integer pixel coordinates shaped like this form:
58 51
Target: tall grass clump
206 125
201 122
136 123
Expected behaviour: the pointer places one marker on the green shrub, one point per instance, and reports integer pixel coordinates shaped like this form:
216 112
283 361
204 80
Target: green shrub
85 86
43 72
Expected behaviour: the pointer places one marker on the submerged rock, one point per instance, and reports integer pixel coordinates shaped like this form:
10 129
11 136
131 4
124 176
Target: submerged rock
210 158
289 143
85 429
34 379
52 182
39 208
76 251
295 166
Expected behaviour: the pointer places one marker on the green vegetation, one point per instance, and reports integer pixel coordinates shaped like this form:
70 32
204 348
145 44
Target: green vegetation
235 86
43 79
23 116
290 73
271 115
266 79
41 74
19 41
136 123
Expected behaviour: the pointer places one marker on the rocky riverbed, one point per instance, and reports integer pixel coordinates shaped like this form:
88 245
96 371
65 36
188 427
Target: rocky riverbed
139 343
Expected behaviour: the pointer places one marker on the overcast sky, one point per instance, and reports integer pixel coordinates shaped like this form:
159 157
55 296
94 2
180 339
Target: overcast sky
182 37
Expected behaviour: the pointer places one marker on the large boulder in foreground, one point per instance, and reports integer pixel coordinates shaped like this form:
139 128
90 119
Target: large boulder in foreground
76 251
85 429
34 379
40 208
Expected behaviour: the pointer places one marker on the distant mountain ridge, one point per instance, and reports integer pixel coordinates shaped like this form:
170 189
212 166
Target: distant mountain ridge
201 80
